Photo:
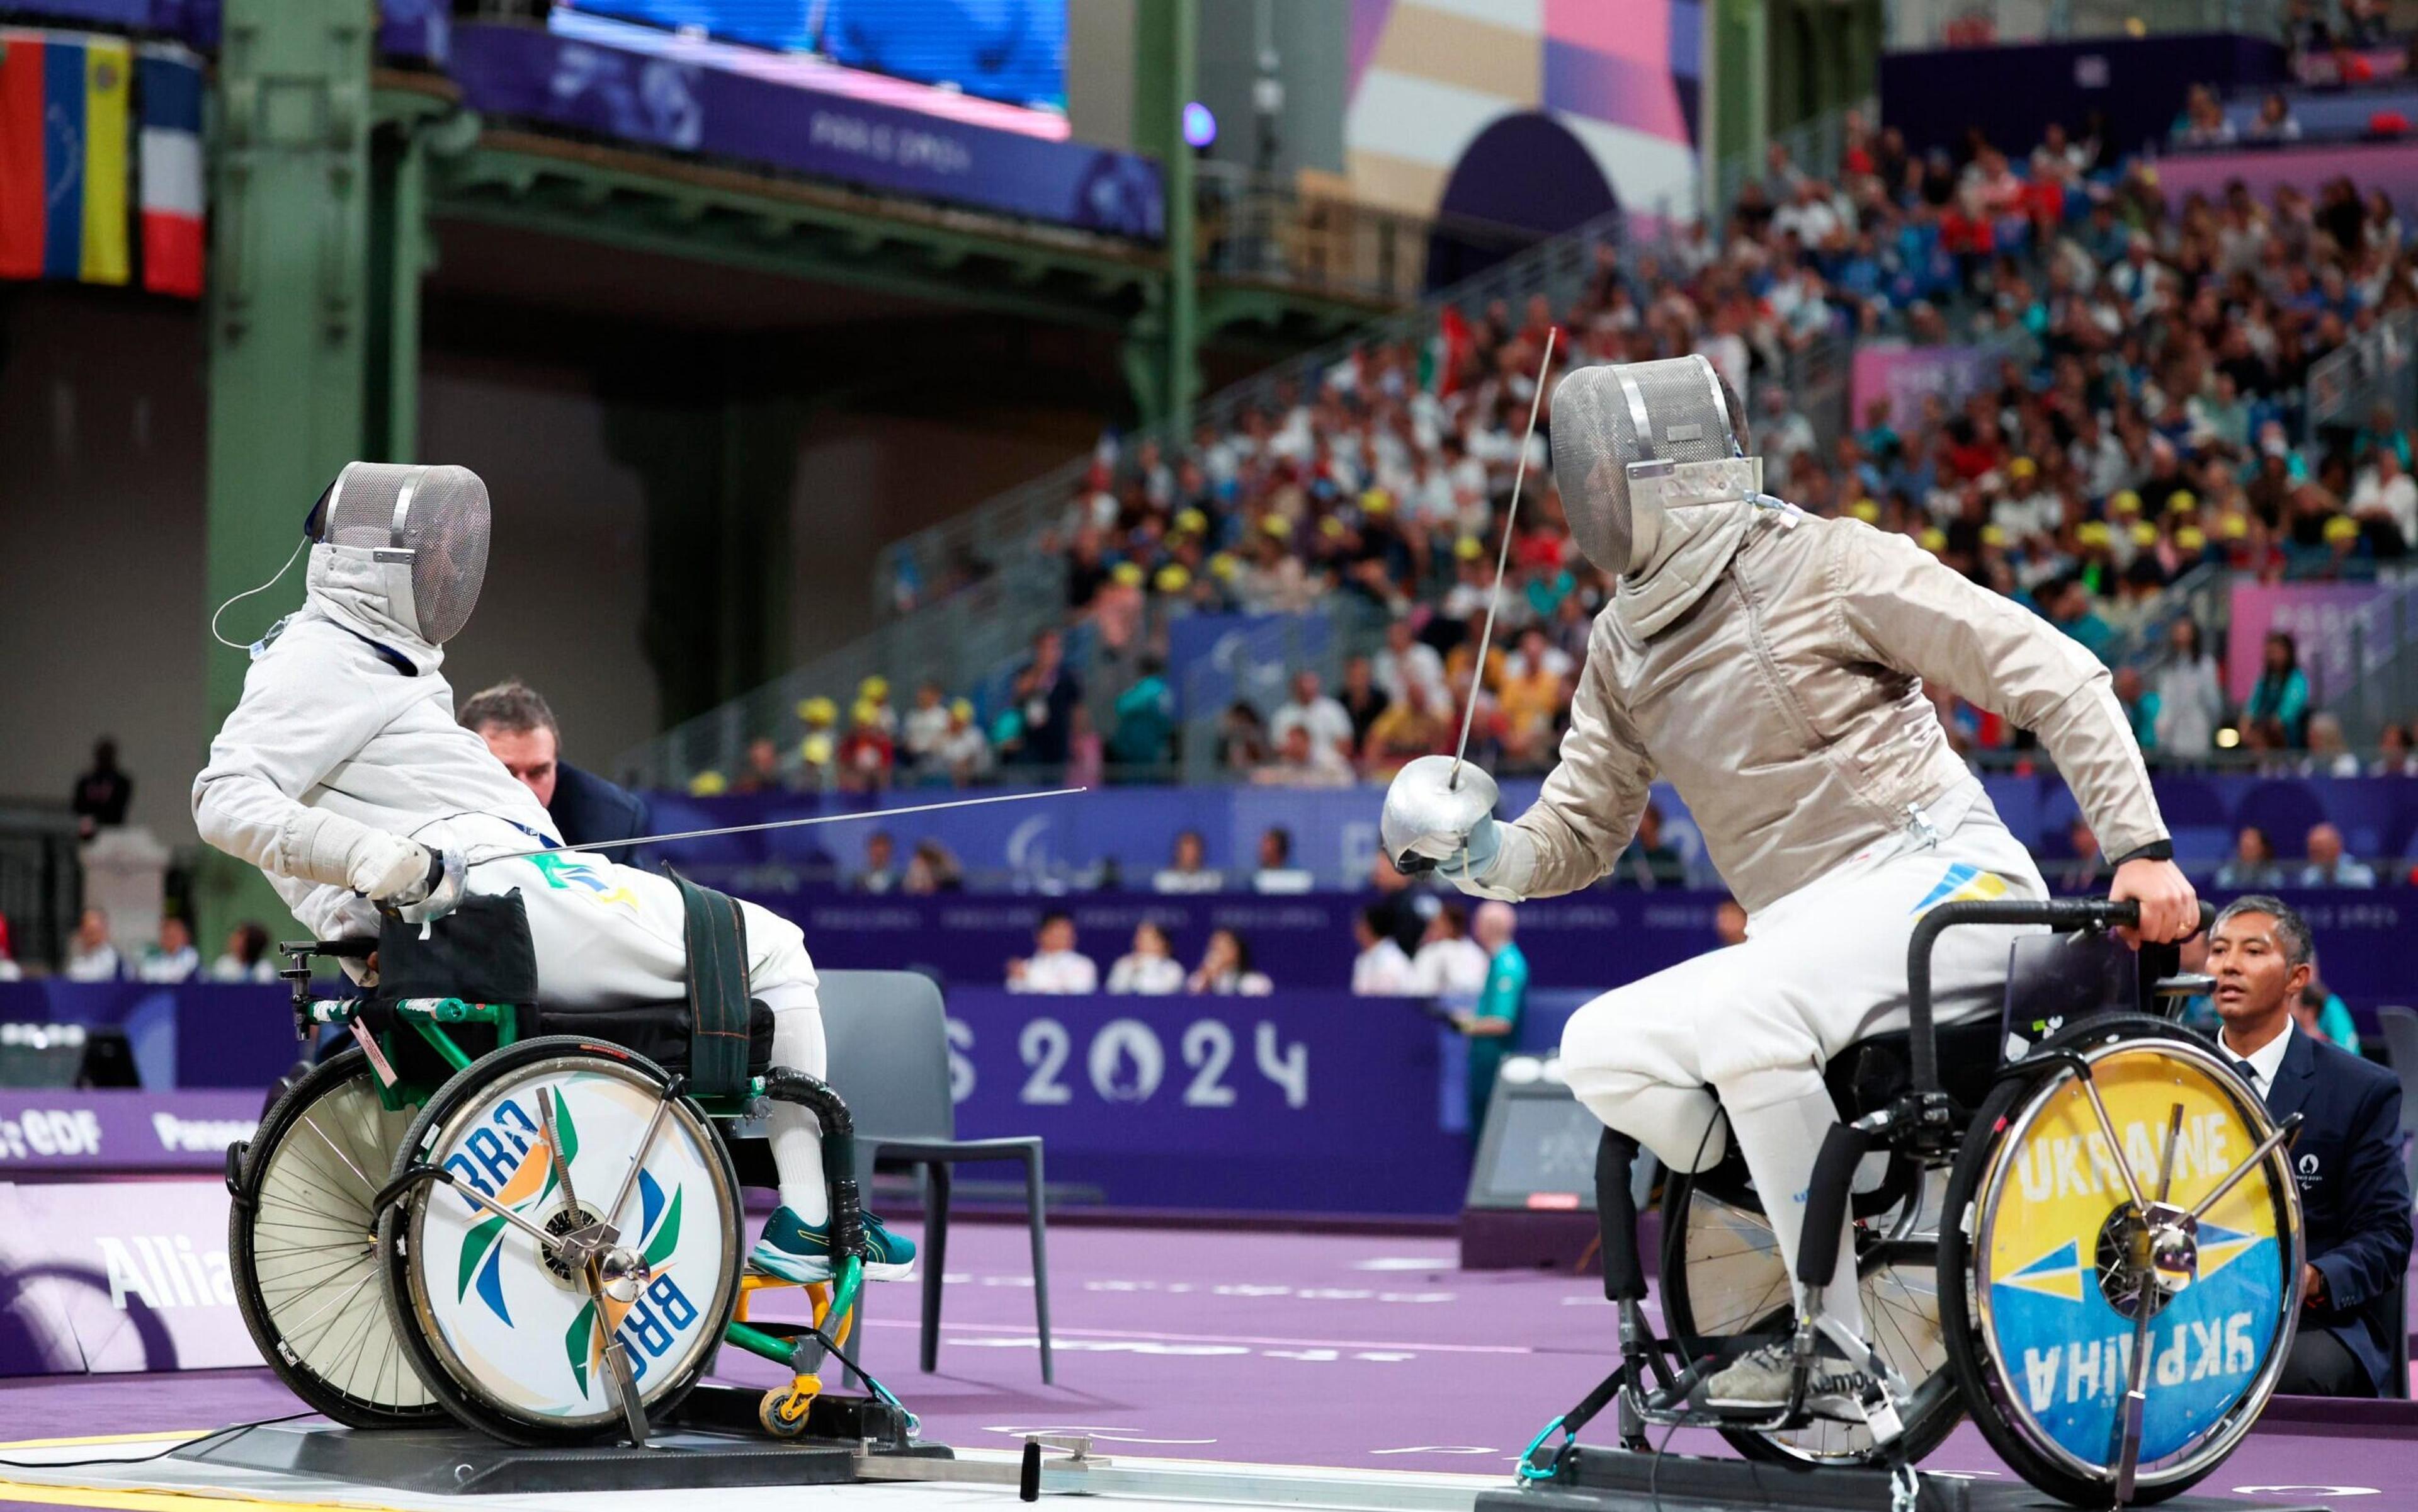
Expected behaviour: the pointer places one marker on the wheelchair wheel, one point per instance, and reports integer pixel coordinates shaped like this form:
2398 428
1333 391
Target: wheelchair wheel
2040 1334
302 1246
511 1340
1723 1277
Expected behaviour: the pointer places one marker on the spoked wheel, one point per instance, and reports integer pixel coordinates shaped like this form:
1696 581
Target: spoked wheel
302 1246
512 1340
2042 1343
1723 1277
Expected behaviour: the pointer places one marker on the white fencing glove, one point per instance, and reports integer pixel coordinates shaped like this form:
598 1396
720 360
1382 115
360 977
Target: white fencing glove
392 871
386 868
1430 824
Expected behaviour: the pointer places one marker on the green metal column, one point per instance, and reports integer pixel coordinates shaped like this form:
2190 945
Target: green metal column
290 229
401 253
1182 282
1739 32
1161 344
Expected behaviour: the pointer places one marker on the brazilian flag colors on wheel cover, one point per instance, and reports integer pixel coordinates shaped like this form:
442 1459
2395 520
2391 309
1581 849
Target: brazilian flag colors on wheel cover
520 1335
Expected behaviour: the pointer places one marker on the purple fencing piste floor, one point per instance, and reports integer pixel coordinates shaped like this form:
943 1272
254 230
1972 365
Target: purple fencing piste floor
1348 1351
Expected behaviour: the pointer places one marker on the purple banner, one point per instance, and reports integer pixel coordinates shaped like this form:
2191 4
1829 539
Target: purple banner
75 1132
2318 617
1299 1103
517 72
2390 166
1907 375
408 29
193 1034
118 1276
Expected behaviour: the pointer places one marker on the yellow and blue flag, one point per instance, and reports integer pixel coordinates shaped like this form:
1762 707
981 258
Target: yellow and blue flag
63 155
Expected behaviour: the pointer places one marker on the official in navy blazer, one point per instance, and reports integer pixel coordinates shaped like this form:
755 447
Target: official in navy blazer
2354 1194
518 726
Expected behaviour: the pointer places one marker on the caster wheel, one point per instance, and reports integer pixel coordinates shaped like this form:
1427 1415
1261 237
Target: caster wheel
784 1411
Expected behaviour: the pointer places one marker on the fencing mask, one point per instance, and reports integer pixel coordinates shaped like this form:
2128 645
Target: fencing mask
1635 440
433 519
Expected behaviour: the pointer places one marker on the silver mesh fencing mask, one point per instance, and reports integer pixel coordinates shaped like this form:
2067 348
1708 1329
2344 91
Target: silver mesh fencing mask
434 519
1632 439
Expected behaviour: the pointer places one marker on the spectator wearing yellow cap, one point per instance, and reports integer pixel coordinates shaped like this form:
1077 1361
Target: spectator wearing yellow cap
875 691
2028 507
819 752
1473 580
866 753
964 755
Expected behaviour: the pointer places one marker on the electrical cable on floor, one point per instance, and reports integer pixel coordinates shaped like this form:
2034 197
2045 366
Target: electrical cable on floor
880 1392
147 1459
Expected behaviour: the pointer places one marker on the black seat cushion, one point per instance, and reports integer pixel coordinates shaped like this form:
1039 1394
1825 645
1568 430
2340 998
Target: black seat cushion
481 952
1871 1072
658 1031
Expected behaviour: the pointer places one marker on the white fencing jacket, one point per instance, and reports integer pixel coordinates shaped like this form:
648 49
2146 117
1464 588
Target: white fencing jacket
346 728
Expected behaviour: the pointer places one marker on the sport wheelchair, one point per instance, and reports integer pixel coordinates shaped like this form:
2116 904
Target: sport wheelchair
2114 1323
527 1220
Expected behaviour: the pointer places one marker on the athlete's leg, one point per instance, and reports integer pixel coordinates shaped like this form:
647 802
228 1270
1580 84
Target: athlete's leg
1630 1056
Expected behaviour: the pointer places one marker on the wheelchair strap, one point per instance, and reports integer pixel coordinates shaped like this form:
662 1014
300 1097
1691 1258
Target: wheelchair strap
718 990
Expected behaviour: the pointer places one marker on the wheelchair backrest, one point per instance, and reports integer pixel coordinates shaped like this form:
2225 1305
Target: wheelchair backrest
2054 979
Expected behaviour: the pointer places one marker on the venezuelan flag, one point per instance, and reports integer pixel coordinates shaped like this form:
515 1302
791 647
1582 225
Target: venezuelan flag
63 155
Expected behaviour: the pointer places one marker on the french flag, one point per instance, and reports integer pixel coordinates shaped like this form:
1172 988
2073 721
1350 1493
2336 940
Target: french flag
170 81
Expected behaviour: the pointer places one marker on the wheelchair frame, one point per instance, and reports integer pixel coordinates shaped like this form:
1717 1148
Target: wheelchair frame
784 1412
1925 1124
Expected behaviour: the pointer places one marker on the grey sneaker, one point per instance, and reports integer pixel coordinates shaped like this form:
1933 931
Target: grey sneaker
1758 1378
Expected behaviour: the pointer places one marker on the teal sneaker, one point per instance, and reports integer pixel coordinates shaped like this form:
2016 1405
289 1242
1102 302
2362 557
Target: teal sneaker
796 1250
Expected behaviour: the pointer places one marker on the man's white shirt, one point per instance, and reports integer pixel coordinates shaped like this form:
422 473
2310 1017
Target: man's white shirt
1058 972
1329 724
2264 1062
1153 976
1383 971
1449 966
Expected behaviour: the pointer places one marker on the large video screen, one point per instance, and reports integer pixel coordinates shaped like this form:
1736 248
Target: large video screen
1013 50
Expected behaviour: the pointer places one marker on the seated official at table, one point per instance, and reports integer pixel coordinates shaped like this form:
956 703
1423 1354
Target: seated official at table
2354 1196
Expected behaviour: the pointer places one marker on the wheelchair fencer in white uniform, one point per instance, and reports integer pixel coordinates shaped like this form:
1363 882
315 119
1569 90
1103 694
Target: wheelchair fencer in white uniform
1772 667
342 775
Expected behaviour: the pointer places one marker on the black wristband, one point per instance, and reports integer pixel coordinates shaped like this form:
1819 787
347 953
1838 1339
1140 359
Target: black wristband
435 871
2154 850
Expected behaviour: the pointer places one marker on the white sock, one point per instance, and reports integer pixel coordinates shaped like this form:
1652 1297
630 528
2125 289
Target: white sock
1780 1140
796 1135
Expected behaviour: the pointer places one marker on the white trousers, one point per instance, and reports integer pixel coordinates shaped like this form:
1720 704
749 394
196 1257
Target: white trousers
1818 970
611 935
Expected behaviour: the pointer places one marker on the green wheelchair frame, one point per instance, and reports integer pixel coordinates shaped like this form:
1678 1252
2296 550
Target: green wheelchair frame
784 1411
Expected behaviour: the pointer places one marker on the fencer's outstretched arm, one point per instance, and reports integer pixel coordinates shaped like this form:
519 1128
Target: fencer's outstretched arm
298 721
1911 612
1590 805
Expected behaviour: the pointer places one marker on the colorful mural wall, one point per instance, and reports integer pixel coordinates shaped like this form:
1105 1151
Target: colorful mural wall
1429 77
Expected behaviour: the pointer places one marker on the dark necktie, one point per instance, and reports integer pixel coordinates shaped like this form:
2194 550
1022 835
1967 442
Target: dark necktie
2249 1074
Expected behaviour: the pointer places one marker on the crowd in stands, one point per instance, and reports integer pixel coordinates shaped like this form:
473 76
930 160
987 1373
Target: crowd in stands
93 955
2143 417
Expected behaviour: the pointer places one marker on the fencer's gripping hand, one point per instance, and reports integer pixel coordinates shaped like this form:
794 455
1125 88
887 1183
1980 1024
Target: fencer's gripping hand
390 870
448 877
2169 908
414 881
1431 823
